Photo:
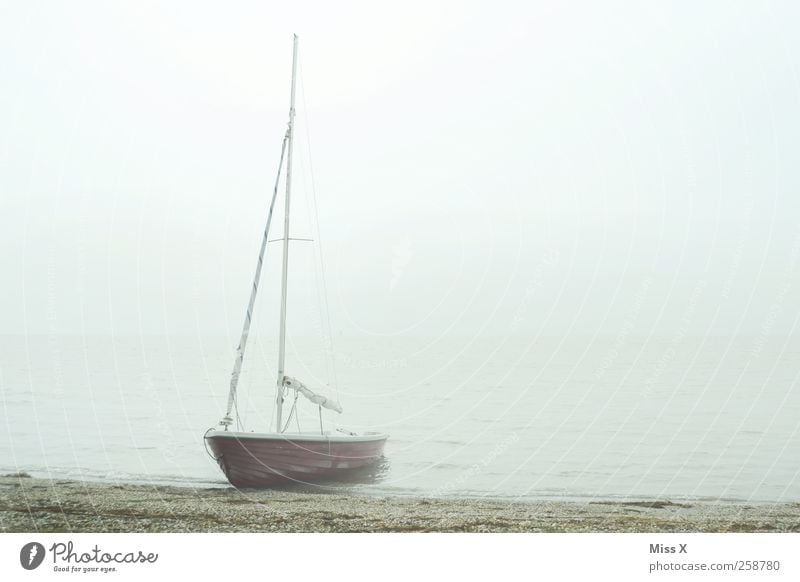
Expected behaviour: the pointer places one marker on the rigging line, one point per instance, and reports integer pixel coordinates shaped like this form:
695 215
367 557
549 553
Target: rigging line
239 422
265 356
292 413
291 238
318 314
319 234
237 366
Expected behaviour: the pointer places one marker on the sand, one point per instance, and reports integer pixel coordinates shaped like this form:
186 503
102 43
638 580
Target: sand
44 505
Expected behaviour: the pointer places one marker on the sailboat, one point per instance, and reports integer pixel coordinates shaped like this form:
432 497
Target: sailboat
250 459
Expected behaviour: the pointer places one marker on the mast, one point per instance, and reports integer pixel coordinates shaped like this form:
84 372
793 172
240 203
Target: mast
285 277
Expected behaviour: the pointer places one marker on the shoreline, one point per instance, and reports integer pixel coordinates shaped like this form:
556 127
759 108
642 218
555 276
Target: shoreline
58 505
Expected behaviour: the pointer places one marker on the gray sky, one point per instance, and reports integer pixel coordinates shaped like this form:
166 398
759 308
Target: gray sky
527 168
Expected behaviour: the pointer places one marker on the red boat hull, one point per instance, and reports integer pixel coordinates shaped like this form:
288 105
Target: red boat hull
264 460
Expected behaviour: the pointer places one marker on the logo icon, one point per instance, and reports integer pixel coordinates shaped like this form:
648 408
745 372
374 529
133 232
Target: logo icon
31 555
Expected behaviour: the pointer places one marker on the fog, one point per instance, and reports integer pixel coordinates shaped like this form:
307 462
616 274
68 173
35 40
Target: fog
478 169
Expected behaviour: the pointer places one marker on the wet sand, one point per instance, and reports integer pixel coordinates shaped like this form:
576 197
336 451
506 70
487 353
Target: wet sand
43 505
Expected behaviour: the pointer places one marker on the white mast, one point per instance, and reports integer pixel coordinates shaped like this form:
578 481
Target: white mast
282 337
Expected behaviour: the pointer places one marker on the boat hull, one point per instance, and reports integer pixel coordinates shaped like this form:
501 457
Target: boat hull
267 460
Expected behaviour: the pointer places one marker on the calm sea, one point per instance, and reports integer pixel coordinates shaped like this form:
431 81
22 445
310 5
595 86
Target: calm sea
608 417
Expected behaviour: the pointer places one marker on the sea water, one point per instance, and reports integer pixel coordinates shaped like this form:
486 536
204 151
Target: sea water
516 418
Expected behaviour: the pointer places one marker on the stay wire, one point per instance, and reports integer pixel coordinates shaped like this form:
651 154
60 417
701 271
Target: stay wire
319 237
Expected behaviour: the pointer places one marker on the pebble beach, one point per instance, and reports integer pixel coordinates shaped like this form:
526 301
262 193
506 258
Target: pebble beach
42 505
